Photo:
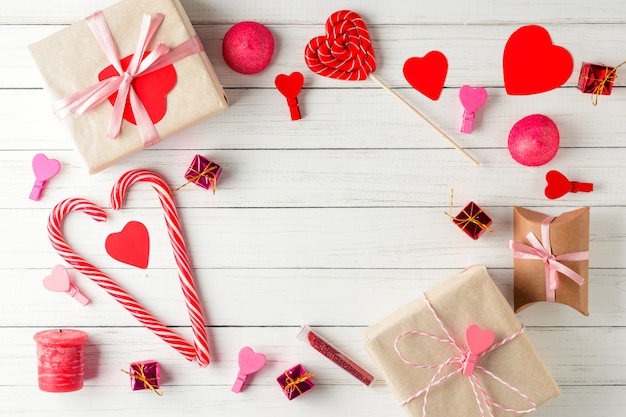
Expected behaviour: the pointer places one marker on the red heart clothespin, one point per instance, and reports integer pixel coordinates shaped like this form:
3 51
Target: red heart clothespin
472 99
478 341
290 86
559 185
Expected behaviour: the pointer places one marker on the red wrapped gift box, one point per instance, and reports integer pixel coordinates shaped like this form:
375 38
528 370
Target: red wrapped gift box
295 381
473 220
596 79
145 375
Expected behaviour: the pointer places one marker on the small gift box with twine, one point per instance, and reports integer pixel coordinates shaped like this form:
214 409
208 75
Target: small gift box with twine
145 375
203 172
597 79
472 219
295 381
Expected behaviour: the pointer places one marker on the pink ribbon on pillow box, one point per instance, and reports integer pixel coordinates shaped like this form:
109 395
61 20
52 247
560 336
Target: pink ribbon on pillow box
542 251
161 56
462 359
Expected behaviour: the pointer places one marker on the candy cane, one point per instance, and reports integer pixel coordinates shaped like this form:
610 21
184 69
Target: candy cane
178 245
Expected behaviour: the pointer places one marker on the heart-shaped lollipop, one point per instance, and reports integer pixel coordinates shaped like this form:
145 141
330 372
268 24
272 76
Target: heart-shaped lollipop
249 363
558 185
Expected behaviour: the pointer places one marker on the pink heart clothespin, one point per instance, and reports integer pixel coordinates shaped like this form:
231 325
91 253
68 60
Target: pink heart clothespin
472 99
559 185
44 169
290 86
478 341
59 281
249 363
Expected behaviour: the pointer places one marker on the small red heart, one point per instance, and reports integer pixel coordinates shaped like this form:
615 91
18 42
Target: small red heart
427 74
532 64
152 89
558 185
289 85
131 245
478 340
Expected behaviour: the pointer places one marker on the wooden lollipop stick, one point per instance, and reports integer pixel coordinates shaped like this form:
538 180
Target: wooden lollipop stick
428 122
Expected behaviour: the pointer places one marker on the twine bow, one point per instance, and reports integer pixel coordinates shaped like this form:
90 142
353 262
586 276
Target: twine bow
483 400
161 56
542 251
140 375
293 384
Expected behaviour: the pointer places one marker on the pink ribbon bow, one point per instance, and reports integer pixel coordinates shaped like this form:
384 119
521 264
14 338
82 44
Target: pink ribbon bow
95 94
542 251
461 360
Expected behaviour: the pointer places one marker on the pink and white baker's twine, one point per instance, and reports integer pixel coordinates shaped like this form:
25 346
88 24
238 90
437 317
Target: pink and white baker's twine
542 251
161 56
200 348
483 399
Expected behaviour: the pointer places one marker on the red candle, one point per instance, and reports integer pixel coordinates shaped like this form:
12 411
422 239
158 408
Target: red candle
60 359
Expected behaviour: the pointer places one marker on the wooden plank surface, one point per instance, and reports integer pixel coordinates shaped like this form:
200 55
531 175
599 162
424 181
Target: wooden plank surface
335 220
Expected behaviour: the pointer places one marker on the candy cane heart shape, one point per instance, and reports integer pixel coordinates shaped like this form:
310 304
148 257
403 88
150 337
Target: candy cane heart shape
178 246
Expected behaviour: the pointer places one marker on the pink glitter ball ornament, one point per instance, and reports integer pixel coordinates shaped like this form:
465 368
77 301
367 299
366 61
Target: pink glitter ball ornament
534 140
248 47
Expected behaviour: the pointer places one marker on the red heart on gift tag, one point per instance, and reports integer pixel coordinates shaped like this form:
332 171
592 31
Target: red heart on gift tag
58 280
346 52
427 74
532 64
558 185
478 340
131 245
152 89
289 85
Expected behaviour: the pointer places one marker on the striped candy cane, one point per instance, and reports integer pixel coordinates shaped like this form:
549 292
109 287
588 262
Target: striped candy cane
178 245
55 221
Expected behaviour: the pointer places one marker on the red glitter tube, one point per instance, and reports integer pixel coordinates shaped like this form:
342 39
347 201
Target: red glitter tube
325 348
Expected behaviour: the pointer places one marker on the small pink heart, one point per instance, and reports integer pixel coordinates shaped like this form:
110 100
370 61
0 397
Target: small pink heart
58 281
45 168
250 361
478 340
472 98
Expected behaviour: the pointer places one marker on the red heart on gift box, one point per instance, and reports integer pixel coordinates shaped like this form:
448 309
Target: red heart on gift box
131 245
345 52
478 340
427 74
152 89
289 85
533 64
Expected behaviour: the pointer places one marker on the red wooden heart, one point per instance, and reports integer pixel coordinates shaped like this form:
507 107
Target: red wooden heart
345 52
558 185
427 74
152 89
131 245
532 64
289 85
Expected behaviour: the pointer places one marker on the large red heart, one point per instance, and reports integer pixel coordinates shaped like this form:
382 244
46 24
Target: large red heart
152 89
131 245
532 64
199 349
345 52
427 74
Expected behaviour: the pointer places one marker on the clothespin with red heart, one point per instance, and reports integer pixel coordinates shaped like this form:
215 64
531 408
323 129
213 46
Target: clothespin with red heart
559 185
290 86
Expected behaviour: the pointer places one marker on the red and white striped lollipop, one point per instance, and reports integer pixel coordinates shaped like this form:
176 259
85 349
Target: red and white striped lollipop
345 52
200 348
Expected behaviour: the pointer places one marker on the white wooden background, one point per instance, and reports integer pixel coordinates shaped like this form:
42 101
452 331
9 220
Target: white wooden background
335 220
